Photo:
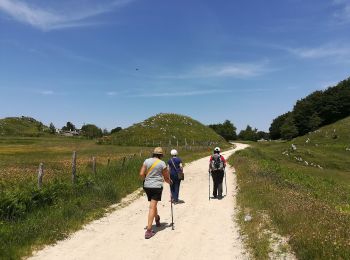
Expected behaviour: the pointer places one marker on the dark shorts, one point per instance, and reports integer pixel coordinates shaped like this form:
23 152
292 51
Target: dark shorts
153 193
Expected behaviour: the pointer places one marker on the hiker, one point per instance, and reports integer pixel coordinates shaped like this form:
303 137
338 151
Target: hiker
217 164
153 172
176 175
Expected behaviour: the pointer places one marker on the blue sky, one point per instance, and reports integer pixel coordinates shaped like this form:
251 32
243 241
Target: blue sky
117 62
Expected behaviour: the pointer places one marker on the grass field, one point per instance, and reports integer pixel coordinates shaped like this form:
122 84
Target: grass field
32 217
302 192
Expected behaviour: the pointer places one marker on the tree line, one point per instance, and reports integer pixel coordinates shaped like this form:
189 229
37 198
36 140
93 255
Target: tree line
228 131
90 131
316 110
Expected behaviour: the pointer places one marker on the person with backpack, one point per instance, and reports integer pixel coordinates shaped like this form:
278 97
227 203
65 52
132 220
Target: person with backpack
217 164
176 175
153 172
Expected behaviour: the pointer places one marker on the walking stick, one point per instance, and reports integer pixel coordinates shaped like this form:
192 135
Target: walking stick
225 181
209 183
172 212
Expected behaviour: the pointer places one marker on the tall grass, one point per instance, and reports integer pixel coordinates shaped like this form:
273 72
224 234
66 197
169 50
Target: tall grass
31 218
308 205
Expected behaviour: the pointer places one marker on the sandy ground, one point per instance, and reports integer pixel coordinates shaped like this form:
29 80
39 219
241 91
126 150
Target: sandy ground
203 229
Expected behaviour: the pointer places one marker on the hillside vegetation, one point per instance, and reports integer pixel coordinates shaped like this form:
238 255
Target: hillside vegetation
31 217
320 108
22 126
301 189
167 130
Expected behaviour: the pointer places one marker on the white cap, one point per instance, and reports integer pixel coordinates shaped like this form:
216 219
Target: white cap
217 149
173 152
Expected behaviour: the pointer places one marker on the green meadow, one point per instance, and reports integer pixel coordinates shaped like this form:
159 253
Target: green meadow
31 217
300 189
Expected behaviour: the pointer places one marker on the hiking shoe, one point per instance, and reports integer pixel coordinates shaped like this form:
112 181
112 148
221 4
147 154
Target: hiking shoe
158 221
149 234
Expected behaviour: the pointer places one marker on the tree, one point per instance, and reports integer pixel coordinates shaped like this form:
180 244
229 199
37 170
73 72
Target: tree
105 131
116 130
52 128
289 129
69 127
262 135
314 122
40 127
227 130
249 134
91 131
275 128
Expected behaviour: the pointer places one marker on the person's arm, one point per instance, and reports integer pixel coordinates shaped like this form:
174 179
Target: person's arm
166 175
211 158
143 172
224 160
181 165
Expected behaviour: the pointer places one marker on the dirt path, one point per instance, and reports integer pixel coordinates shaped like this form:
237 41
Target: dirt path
203 229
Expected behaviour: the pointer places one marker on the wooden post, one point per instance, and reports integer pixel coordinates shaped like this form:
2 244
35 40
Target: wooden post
123 161
94 165
40 175
74 167
108 161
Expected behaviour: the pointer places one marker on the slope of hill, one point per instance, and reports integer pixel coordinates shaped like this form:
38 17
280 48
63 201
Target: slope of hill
302 189
21 126
167 129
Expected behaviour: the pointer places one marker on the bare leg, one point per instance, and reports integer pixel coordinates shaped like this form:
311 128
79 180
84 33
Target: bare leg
152 213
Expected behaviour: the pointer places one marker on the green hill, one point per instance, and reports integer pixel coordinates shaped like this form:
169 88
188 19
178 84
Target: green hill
328 146
167 129
21 126
303 186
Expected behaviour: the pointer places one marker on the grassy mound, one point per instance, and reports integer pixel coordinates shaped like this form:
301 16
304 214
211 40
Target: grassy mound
167 129
21 126
300 188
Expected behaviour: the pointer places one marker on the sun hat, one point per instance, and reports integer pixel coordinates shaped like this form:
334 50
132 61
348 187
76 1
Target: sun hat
158 150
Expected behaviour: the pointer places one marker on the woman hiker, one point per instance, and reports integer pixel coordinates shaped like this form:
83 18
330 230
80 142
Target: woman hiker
175 167
153 172
217 164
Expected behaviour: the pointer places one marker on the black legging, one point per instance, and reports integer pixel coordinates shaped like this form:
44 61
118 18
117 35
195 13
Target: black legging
218 177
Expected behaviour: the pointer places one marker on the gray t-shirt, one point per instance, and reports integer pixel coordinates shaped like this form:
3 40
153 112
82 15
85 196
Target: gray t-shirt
155 178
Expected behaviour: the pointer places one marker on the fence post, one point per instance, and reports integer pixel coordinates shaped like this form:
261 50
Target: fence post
40 175
74 167
108 161
94 165
123 161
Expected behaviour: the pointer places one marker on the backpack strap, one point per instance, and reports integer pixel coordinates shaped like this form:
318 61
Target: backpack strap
173 164
152 166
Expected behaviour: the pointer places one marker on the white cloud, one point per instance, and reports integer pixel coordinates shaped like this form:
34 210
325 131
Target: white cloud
343 13
46 19
234 70
188 93
47 92
321 52
182 94
111 93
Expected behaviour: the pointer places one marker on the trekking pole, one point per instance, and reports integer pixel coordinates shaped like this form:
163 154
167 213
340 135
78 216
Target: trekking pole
172 212
225 181
209 183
